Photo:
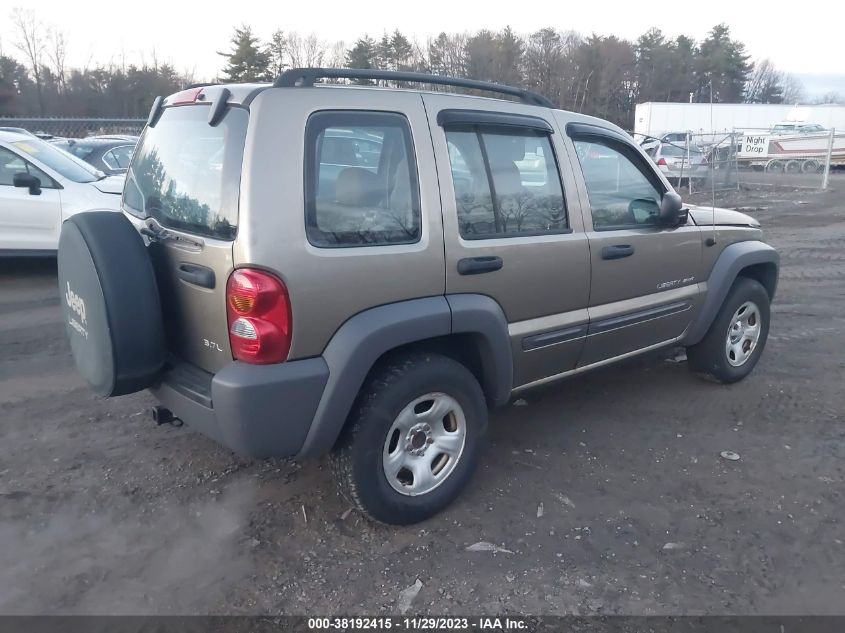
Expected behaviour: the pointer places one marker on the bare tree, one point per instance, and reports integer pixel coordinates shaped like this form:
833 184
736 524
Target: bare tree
30 41
337 55
769 85
831 97
765 84
447 54
793 89
305 52
57 53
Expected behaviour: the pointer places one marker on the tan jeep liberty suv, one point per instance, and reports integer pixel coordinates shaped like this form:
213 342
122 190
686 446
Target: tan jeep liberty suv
305 268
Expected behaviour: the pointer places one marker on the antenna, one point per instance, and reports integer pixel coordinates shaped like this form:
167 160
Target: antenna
711 241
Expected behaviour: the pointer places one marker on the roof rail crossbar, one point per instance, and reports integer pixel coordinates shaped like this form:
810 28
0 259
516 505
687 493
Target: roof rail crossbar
306 77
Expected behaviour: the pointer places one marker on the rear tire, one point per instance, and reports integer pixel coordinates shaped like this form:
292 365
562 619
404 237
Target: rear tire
412 440
736 338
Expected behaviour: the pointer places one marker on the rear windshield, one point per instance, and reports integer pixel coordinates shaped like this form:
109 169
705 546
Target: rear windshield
186 174
679 150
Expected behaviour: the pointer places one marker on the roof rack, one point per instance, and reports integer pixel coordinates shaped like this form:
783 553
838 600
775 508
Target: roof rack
306 77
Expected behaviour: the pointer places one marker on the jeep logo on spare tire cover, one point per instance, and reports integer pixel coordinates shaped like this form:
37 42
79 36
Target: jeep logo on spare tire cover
110 303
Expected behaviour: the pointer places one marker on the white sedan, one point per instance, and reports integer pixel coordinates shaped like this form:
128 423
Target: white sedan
40 187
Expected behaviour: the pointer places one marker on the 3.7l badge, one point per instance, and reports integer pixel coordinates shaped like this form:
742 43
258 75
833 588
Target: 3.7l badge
212 345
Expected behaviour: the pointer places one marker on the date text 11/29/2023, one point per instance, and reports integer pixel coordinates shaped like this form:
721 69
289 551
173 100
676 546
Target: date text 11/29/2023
417 623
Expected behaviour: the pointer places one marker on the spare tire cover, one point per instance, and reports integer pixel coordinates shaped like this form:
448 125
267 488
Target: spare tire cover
110 303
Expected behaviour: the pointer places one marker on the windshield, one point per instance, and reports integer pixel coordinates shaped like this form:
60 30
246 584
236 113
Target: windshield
58 160
186 173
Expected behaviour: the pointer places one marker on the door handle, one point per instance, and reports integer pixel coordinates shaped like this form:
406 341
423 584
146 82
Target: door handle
617 251
196 274
479 265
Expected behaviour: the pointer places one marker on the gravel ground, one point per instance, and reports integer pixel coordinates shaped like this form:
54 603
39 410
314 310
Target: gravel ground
607 492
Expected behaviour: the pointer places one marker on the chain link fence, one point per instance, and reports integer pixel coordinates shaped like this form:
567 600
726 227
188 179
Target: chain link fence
803 157
750 159
74 128
799 158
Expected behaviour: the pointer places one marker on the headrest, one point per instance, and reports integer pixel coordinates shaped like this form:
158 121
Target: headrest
502 148
358 187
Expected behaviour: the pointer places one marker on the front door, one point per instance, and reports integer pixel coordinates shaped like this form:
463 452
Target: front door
645 275
28 221
512 226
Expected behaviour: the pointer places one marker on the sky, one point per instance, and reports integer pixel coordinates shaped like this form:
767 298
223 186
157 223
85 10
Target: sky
188 34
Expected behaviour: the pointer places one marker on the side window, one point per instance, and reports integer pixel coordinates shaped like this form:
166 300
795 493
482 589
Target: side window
361 186
506 182
124 155
11 164
110 160
621 194
119 157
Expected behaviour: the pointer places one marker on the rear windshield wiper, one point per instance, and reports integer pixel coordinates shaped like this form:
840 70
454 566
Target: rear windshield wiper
155 232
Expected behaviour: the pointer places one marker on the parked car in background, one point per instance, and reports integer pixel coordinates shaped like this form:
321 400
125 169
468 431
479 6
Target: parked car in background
110 154
678 138
40 187
19 130
122 137
679 162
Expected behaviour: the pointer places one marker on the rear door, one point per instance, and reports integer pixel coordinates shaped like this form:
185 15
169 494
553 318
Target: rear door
183 184
644 287
341 189
512 225
27 221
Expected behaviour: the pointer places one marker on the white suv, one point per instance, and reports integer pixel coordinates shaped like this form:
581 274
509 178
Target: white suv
40 187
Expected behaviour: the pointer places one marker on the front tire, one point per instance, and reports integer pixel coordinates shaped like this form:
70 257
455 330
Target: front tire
412 440
736 339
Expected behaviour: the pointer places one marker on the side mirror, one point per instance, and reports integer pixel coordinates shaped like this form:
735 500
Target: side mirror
670 209
23 179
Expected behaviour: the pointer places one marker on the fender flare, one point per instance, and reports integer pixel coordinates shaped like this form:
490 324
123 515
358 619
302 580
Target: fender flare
365 337
732 260
482 317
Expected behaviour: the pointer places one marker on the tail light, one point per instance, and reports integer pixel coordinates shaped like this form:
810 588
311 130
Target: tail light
662 162
259 315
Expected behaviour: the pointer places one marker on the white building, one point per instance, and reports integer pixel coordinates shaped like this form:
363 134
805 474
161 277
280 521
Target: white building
656 119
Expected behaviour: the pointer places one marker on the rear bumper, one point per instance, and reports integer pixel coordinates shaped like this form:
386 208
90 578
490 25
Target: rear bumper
255 410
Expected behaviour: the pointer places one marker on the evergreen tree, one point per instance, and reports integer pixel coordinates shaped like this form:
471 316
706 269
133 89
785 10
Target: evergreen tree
401 52
654 63
247 61
509 58
277 52
723 65
364 54
481 51
682 81
14 82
